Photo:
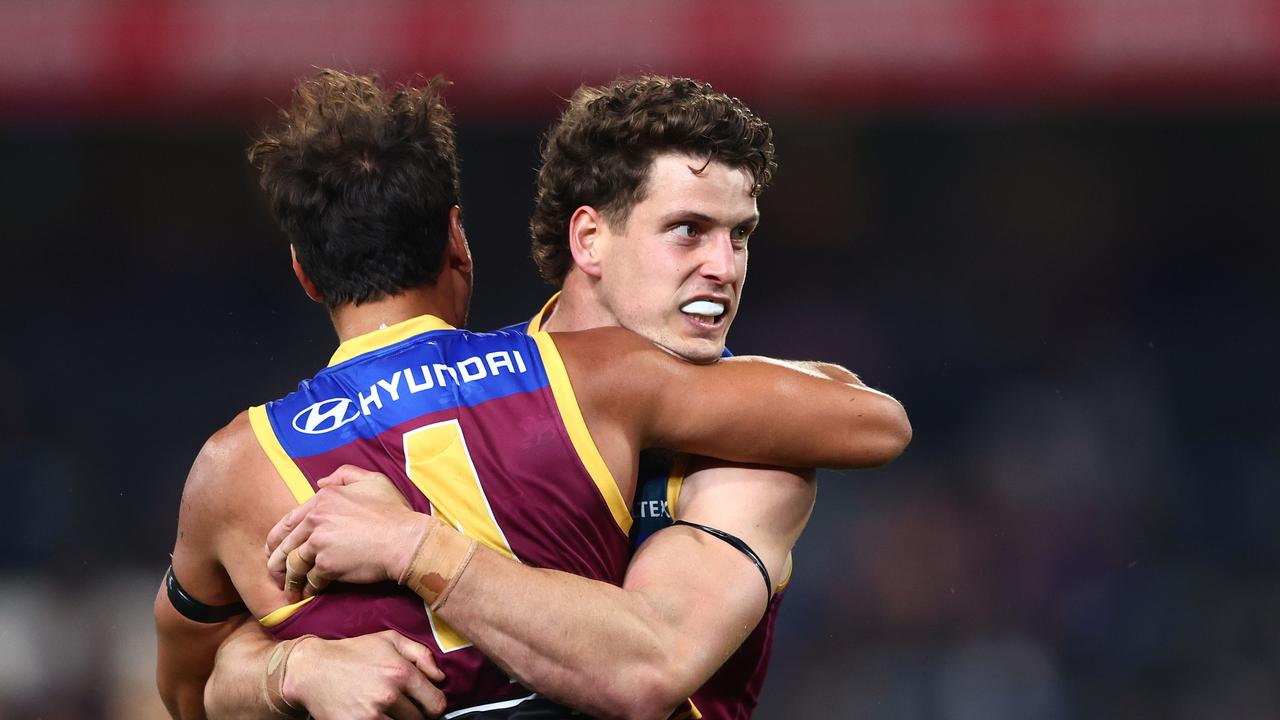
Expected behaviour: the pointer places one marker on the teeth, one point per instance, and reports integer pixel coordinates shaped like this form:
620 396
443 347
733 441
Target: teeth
704 307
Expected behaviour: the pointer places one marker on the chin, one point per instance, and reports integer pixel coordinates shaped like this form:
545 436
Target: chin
700 352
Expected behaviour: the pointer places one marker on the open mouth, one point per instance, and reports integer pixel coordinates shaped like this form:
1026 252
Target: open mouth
707 312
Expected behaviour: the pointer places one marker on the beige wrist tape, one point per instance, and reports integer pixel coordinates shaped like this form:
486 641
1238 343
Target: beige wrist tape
437 563
453 581
273 681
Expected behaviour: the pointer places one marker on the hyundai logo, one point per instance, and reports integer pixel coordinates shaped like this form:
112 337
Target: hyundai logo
325 416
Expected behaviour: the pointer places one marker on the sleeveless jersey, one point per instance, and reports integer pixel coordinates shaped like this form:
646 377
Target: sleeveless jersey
481 430
733 692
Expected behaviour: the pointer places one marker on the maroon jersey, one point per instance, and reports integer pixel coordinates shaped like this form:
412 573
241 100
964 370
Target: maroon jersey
479 429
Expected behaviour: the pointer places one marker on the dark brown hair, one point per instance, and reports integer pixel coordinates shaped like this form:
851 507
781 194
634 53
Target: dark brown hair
600 150
361 181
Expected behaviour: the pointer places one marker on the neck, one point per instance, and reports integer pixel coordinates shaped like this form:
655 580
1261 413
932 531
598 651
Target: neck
353 320
580 306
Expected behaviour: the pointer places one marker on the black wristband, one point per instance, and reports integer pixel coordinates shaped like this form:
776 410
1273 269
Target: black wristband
192 609
737 544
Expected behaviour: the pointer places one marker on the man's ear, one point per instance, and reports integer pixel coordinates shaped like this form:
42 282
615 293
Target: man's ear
459 251
587 231
307 286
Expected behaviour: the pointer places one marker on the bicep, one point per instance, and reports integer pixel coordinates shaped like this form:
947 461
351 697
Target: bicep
705 599
765 507
227 505
705 596
232 498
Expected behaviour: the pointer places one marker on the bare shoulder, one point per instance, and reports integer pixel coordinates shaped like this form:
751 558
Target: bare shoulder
232 487
232 497
217 474
618 358
208 512
604 343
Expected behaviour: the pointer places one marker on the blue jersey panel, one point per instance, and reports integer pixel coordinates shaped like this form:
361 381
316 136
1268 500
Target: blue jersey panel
363 397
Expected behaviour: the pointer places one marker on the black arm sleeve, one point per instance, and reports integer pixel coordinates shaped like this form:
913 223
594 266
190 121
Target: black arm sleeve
192 609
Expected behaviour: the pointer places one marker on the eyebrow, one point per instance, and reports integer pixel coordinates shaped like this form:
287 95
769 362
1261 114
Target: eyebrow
752 219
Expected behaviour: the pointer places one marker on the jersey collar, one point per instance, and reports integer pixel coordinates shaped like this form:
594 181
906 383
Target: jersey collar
388 335
535 325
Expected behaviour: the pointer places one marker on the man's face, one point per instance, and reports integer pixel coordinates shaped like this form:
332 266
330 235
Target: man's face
674 273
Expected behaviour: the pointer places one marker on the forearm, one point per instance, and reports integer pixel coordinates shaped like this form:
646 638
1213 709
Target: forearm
235 689
859 425
761 410
184 658
587 644
181 673
688 602
185 651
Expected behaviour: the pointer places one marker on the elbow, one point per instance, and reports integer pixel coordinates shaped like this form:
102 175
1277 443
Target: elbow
663 695
183 700
887 440
648 693
898 435
168 693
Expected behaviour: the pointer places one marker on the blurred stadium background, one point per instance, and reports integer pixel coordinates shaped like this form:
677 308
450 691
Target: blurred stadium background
1048 226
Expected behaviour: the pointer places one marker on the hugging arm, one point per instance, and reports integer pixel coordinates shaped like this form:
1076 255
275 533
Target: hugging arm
745 409
635 651
688 599
232 498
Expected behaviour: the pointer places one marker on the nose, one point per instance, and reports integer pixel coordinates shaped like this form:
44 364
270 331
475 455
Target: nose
720 260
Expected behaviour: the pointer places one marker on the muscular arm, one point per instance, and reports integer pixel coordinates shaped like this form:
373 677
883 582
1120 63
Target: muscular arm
185 657
742 409
371 676
688 601
231 499
632 652
211 521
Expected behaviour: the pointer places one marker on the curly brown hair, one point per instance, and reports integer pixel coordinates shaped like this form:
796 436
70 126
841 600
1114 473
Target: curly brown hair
600 150
361 180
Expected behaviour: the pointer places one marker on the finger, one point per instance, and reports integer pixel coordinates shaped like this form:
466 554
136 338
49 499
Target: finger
297 564
419 655
286 524
426 697
315 583
404 708
347 475
299 535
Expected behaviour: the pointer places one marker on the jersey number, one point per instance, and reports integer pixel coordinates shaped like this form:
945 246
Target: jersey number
439 464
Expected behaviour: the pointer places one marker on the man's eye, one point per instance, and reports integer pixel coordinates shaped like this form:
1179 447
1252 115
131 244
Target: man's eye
686 231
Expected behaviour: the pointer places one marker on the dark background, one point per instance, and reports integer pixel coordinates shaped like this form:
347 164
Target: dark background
1076 302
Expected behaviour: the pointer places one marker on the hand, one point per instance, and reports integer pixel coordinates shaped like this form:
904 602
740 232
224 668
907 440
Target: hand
358 528
372 676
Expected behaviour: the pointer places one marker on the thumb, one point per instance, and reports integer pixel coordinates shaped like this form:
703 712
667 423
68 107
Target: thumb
347 475
419 655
